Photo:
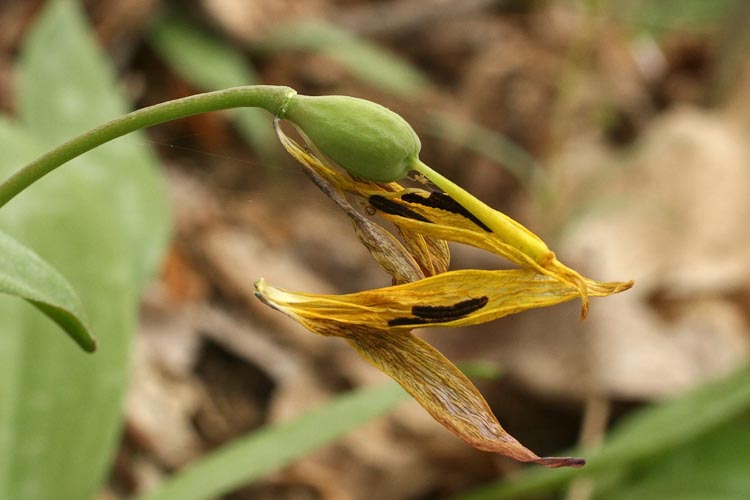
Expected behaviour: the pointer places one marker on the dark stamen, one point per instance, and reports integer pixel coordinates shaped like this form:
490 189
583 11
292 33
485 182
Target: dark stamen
441 314
442 201
408 321
391 207
449 313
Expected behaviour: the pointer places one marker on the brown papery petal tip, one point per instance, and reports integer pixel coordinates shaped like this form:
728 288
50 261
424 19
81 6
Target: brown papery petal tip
554 462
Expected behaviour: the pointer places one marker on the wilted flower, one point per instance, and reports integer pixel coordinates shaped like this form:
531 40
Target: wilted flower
378 323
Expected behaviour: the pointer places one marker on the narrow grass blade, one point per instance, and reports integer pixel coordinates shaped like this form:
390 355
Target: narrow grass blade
274 447
510 156
209 63
715 466
364 59
652 432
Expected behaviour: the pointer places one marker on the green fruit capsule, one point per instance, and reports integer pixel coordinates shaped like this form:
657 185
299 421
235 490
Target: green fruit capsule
367 139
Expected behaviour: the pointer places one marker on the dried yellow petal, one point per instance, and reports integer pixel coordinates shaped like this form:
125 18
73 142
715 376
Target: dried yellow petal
439 216
421 256
456 298
440 387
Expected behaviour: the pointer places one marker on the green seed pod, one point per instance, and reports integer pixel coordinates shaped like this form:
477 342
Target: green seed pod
367 139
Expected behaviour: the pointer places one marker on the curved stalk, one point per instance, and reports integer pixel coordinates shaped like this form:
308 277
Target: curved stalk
269 97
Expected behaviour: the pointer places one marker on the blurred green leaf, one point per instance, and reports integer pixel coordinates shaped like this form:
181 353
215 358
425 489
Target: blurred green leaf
652 432
102 223
365 60
208 63
66 88
715 466
24 274
665 15
496 147
200 57
274 447
481 370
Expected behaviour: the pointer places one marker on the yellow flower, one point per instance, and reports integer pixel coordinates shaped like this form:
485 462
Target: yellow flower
377 323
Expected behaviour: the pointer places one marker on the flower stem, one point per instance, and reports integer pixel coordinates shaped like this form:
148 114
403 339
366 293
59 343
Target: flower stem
503 226
269 97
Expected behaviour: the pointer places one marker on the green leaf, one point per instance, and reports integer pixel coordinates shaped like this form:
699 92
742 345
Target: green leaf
364 59
715 466
496 147
60 411
200 57
652 432
274 447
24 274
210 64
101 222
659 17
67 87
